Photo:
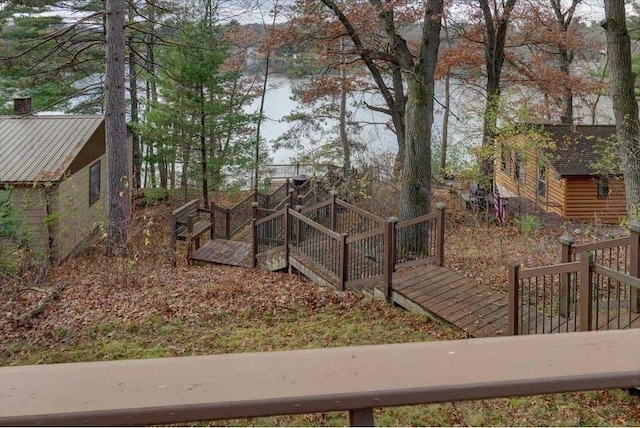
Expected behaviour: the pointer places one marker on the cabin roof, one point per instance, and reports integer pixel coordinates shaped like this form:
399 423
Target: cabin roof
41 148
578 147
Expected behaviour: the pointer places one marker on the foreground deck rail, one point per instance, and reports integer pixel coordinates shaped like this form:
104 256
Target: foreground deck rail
354 379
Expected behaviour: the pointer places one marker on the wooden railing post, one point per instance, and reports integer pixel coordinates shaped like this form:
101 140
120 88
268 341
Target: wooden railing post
634 267
565 279
389 255
254 246
227 223
190 221
285 224
290 193
298 208
334 195
440 244
514 301
361 417
212 219
344 262
586 292
174 236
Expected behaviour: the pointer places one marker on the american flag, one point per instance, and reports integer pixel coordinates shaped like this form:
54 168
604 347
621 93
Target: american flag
500 206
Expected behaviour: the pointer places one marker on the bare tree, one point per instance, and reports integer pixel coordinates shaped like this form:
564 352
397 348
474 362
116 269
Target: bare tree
418 72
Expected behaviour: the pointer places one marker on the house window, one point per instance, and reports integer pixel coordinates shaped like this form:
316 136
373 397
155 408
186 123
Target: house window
518 168
542 181
603 187
94 183
505 159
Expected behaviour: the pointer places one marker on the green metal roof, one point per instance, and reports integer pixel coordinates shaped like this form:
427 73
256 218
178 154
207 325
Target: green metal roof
41 148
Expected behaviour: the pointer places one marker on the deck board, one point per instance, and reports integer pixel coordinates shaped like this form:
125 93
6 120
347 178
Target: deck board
224 252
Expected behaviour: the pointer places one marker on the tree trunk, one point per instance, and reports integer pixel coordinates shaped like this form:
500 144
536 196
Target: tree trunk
415 193
566 99
116 129
135 117
397 113
495 39
203 148
344 138
445 124
625 106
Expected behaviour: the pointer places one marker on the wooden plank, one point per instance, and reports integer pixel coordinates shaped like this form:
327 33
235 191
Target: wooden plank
422 284
497 328
454 292
467 314
436 287
222 251
177 390
412 279
403 275
498 316
459 293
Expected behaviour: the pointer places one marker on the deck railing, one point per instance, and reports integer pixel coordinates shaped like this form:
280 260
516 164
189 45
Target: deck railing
620 255
573 296
420 240
318 244
354 379
350 246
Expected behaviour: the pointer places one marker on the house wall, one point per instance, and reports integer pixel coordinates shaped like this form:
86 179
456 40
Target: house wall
553 201
583 203
77 218
30 201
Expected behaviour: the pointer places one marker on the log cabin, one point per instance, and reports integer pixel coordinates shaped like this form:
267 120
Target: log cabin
559 168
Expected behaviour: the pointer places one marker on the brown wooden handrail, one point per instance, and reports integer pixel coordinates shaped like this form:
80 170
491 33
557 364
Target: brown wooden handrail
414 221
365 235
354 379
316 206
602 245
360 211
549 270
315 225
270 217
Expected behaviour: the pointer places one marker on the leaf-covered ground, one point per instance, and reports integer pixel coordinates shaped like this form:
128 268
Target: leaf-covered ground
138 306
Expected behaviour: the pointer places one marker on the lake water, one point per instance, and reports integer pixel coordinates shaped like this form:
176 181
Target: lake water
464 126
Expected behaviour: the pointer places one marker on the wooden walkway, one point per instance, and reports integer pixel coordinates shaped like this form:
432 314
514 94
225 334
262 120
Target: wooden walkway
449 296
438 292
224 252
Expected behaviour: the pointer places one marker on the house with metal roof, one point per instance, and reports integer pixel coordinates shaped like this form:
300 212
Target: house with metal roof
56 169
559 168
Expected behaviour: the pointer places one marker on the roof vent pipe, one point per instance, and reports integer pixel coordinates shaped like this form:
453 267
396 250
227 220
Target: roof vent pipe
21 106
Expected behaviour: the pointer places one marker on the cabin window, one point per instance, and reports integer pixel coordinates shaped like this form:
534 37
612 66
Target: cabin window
94 183
505 159
542 181
518 168
603 187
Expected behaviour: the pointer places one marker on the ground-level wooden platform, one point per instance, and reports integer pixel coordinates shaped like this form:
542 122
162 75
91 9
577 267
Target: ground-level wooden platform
224 252
449 296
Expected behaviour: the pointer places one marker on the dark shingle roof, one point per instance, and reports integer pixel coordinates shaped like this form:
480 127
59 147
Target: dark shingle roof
40 148
578 147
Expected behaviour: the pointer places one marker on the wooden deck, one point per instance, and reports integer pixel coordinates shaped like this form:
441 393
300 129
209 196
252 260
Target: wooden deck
449 296
224 252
